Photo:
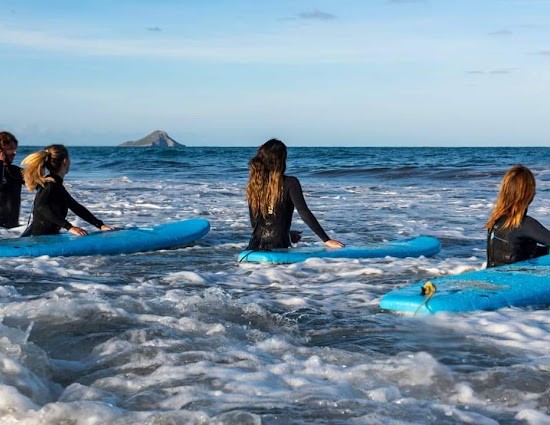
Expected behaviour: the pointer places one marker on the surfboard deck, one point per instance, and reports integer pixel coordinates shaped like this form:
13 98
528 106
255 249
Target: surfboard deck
121 241
413 247
524 284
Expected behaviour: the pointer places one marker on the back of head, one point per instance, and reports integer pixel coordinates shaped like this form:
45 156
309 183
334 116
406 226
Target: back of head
273 153
266 170
517 191
50 158
7 138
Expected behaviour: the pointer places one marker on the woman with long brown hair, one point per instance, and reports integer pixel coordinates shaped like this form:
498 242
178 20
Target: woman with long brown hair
272 197
512 235
52 200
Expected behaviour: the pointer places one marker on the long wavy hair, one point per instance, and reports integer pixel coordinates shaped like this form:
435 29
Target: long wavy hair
50 158
264 190
517 191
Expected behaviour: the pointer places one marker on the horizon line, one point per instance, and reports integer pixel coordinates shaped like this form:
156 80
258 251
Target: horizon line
297 146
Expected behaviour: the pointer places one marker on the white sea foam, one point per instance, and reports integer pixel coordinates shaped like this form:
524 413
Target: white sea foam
190 336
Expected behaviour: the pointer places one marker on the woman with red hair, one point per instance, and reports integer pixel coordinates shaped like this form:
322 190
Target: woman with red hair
512 235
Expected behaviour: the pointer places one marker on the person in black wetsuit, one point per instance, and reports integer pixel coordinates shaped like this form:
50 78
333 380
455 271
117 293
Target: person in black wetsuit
512 235
11 180
52 201
272 197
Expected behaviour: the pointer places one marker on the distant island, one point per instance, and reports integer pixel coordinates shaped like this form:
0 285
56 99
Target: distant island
157 139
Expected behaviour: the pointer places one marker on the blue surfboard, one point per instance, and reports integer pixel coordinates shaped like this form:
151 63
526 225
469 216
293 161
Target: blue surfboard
122 241
516 285
414 247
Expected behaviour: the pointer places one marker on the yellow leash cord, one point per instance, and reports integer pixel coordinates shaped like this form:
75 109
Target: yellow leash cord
428 289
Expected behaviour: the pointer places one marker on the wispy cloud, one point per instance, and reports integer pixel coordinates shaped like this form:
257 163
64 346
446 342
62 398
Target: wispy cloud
530 26
502 71
500 33
498 71
544 52
317 15
290 48
338 43
154 29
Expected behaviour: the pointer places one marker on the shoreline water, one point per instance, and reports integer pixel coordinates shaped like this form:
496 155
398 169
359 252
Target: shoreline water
191 336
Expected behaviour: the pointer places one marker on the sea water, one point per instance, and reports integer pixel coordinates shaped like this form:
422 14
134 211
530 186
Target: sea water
189 336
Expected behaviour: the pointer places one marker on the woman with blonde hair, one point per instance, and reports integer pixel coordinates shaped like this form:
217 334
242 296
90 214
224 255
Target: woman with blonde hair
512 235
52 201
272 197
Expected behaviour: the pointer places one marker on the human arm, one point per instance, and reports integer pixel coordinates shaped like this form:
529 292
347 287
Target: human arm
85 214
297 197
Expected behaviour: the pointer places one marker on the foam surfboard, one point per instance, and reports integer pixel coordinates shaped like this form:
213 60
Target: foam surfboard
521 284
121 241
413 247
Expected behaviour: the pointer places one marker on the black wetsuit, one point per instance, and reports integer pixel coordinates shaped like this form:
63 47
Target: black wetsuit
51 204
11 181
519 244
274 231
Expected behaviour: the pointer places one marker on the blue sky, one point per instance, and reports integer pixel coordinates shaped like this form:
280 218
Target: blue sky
318 73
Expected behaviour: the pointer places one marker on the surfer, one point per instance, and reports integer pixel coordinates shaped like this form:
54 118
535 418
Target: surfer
512 235
11 180
52 201
272 197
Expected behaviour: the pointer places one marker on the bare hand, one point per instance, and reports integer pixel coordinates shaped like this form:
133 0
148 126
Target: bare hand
78 231
106 227
332 243
295 236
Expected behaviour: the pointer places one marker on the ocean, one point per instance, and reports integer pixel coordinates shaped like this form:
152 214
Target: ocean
189 336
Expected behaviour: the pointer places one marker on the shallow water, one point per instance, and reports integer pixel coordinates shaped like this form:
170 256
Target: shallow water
189 336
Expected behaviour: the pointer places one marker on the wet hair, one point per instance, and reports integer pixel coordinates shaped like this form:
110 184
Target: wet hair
264 189
50 158
6 138
517 191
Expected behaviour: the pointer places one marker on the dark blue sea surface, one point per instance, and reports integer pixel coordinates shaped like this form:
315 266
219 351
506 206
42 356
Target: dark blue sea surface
190 336
353 164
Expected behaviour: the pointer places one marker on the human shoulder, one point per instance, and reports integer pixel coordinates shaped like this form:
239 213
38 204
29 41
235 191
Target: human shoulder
52 184
16 173
291 180
527 220
291 184
530 225
531 222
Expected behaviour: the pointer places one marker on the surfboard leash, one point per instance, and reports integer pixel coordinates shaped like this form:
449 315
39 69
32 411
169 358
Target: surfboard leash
427 290
245 256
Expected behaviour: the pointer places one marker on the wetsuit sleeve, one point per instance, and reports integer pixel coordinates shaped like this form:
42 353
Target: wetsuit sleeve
536 231
44 198
297 197
83 212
